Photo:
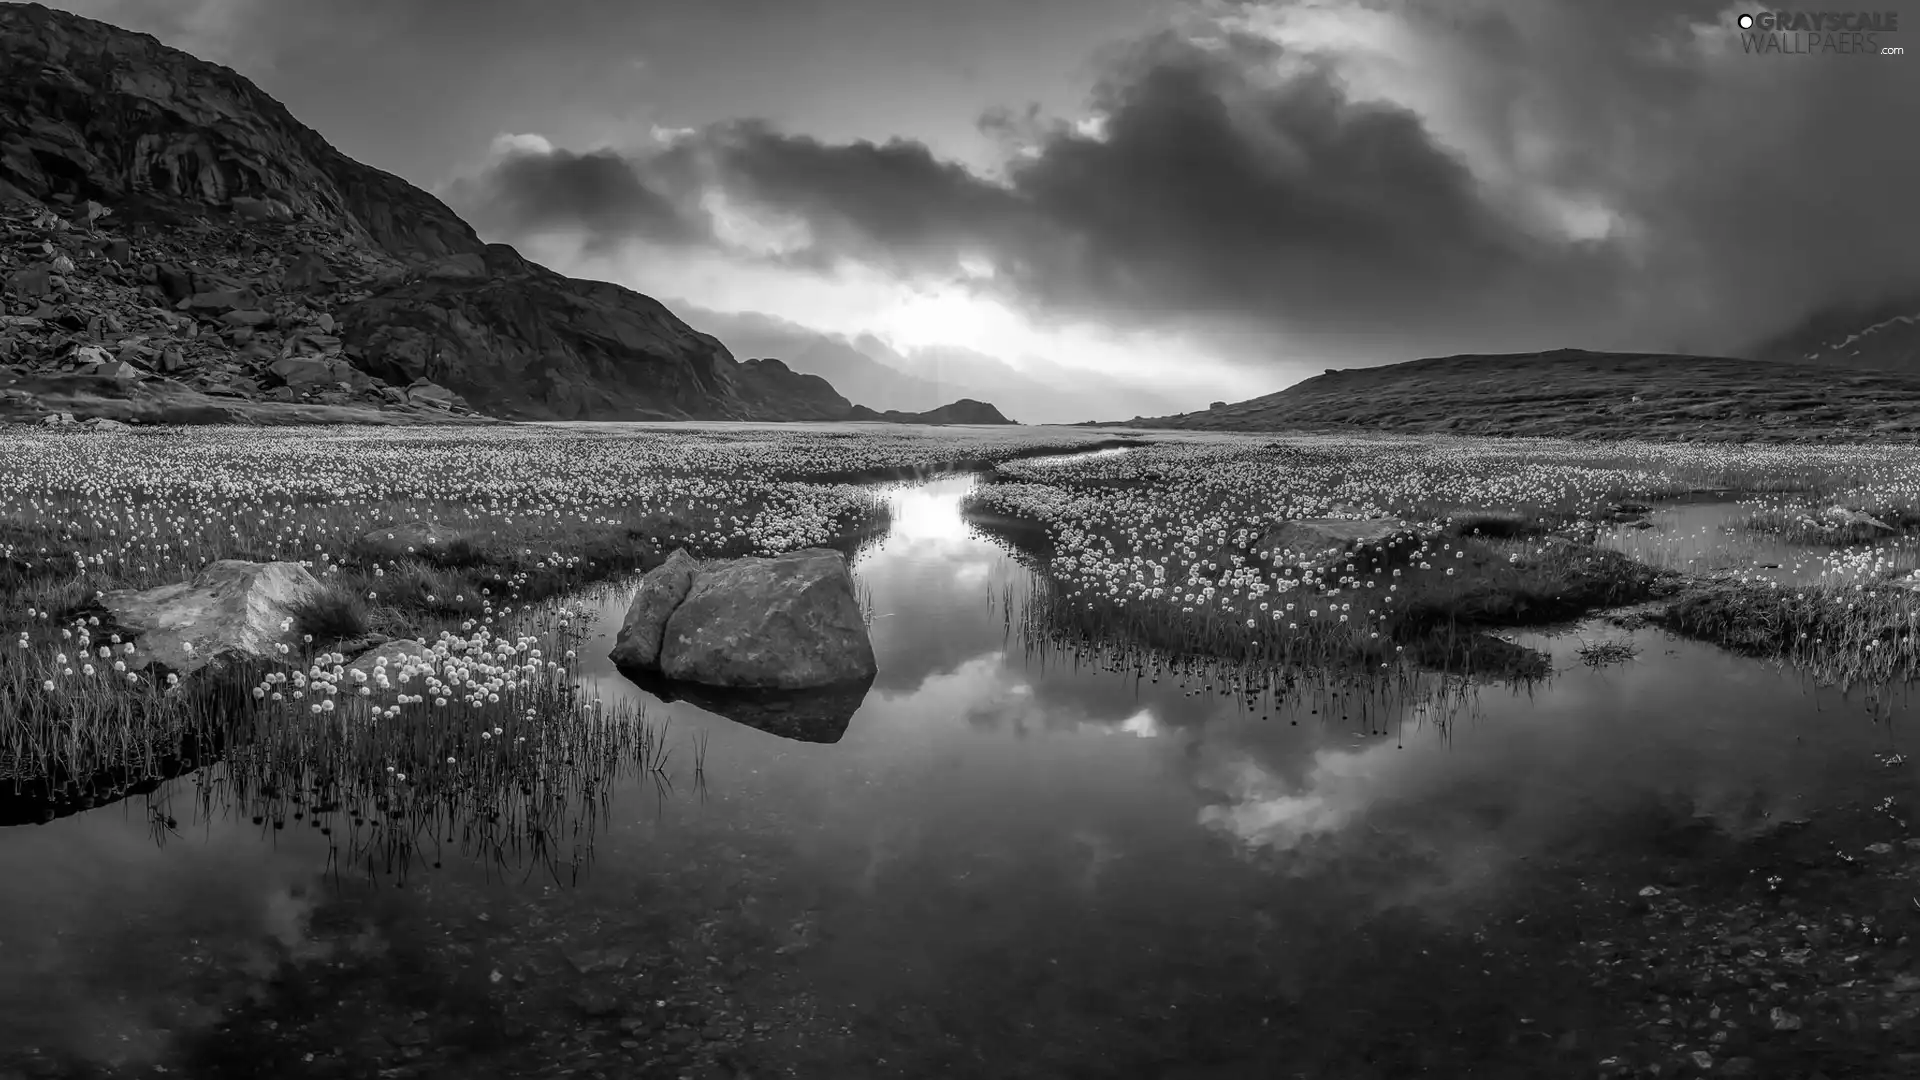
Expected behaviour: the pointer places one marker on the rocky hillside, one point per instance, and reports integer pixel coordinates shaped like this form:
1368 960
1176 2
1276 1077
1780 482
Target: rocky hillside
800 396
1572 393
175 246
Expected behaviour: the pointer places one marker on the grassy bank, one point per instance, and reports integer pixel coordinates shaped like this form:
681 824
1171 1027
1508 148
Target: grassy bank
1429 606
1164 547
1846 637
424 534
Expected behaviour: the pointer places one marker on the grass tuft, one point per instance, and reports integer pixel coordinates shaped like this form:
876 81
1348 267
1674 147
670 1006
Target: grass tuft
332 613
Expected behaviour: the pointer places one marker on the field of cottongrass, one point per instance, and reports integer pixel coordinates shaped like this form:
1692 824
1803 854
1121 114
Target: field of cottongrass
524 515
482 749
1160 546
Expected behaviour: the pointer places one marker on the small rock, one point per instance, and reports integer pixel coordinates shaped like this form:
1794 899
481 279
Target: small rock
636 1025
1879 849
261 209
221 300
176 283
1701 1059
1783 1020
596 1002
33 281
62 265
1650 890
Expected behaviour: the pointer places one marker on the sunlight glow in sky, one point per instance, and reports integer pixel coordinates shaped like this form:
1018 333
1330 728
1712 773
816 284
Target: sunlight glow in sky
854 300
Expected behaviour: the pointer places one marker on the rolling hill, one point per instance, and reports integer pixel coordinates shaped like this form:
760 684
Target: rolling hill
1572 393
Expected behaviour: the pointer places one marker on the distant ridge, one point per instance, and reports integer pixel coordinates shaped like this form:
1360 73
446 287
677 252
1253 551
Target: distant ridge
964 411
1575 393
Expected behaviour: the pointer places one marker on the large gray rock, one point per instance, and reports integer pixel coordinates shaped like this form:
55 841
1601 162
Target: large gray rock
1318 538
660 592
787 622
1858 522
412 538
231 610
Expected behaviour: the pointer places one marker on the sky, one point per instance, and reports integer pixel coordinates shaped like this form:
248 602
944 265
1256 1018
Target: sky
1202 200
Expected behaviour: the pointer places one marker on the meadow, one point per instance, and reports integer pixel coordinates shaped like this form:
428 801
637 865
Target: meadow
517 517
1162 546
465 540
439 704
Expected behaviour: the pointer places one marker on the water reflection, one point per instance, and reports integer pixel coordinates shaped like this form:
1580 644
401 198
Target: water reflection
1711 537
816 714
1003 864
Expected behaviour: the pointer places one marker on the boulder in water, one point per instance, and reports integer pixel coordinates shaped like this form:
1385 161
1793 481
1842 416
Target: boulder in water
786 622
818 714
660 592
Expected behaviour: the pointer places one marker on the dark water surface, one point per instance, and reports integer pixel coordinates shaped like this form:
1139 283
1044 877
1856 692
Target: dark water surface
1008 866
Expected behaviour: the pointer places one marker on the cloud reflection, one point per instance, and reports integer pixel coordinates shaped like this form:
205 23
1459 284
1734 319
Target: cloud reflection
1597 760
112 974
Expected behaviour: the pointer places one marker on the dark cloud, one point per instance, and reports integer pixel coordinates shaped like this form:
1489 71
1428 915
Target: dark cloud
1254 191
892 202
1210 195
529 190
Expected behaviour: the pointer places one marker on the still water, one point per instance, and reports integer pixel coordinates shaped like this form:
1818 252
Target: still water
1009 865
1711 538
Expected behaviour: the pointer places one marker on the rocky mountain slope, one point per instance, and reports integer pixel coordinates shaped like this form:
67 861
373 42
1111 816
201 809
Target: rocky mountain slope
175 246
1571 393
832 358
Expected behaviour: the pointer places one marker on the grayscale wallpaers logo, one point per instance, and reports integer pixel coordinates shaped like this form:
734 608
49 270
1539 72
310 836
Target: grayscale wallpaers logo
1808 33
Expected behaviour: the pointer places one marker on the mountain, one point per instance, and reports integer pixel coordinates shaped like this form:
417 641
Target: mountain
1883 337
834 358
1573 393
964 411
178 245
800 396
